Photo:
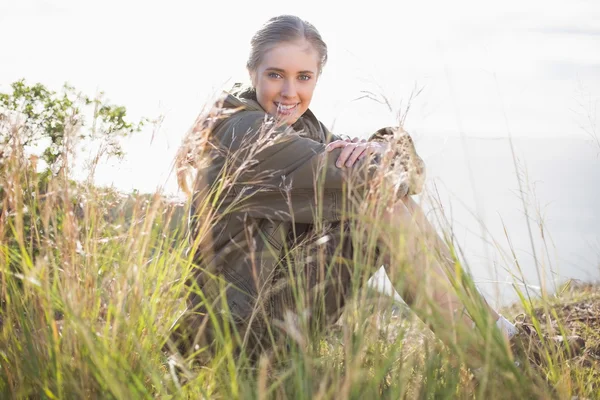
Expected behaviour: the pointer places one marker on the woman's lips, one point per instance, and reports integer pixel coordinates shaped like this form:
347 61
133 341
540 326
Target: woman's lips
286 109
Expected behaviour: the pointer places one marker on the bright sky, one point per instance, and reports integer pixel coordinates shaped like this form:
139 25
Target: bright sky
486 67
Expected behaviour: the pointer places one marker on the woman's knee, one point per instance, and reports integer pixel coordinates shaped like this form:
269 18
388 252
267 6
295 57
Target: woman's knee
410 203
399 213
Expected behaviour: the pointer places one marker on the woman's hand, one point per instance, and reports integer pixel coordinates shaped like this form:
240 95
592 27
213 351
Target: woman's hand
355 150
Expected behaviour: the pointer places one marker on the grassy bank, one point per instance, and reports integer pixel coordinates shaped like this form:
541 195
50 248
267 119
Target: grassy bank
93 283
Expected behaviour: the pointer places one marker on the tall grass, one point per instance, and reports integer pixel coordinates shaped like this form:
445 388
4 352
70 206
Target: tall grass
93 285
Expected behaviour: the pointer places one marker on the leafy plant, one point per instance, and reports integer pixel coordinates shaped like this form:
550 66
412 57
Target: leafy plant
54 122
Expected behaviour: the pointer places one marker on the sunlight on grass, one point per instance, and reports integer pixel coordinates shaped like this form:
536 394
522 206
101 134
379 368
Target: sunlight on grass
94 288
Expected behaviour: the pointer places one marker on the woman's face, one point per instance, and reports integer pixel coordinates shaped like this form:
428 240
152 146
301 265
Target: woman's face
285 80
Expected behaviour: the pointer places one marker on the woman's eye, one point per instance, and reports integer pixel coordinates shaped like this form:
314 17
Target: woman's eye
304 77
274 75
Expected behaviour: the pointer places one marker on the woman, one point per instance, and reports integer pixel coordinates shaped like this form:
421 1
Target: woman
265 232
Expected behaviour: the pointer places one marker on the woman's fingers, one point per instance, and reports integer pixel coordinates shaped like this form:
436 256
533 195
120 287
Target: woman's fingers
345 154
358 151
352 151
336 144
347 150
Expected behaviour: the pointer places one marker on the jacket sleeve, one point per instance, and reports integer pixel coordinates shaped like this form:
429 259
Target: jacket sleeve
281 175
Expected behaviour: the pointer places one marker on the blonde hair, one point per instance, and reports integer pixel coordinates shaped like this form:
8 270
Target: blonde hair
285 29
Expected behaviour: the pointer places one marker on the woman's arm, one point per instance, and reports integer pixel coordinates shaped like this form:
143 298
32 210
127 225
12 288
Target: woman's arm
281 175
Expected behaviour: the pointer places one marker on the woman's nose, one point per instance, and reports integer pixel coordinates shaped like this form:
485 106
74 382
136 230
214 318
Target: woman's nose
289 89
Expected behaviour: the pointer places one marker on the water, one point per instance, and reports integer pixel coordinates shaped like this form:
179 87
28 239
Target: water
561 178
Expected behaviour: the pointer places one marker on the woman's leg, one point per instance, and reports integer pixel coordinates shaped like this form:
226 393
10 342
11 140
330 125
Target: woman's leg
438 244
446 298
423 272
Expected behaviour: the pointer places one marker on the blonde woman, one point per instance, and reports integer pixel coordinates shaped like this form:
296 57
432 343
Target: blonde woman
278 217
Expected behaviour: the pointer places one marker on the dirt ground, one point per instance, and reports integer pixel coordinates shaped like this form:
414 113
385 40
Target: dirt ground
575 308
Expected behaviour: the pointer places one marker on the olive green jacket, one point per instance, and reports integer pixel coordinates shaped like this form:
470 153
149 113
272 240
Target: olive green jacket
281 180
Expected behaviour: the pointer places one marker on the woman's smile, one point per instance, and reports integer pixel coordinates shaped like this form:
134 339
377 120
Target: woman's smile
286 109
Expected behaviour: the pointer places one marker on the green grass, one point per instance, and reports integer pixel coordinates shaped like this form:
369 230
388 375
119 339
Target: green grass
92 285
